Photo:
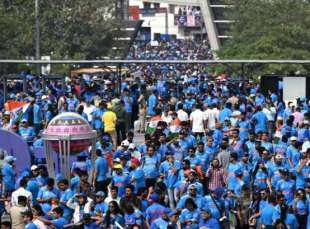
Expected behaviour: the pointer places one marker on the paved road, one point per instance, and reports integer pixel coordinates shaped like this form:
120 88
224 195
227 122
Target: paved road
138 138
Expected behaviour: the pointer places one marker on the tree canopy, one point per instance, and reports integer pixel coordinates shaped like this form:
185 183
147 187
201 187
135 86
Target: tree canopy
269 29
69 28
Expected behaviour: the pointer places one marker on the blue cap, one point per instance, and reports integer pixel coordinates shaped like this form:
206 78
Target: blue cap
83 154
207 210
100 193
238 172
169 153
172 213
59 177
154 197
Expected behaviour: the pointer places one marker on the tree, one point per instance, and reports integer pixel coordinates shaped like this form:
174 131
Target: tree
69 28
269 29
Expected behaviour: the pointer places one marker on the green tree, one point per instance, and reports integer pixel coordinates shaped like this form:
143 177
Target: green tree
269 29
69 28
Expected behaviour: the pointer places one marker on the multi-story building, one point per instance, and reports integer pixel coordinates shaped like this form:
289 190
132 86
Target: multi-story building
183 19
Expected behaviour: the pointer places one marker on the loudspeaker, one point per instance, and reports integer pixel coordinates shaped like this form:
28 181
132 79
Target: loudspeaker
270 82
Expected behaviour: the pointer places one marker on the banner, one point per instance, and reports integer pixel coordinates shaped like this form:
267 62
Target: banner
191 21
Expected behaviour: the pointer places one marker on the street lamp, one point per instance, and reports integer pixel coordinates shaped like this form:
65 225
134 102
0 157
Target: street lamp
37 40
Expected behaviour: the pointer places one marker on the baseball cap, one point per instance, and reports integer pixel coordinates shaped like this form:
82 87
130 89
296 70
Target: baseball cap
293 138
100 193
131 146
135 161
117 166
168 153
154 196
34 167
206 210
125 143
306 122
117 160
83 154
24 120
172 213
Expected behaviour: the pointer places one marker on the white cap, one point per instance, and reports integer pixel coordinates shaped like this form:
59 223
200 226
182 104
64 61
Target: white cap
125 143
279 118
131 146
34 167
306 122
24 120
293 138
236 113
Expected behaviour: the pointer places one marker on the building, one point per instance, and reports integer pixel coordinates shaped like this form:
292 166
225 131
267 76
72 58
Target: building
164 21
183 19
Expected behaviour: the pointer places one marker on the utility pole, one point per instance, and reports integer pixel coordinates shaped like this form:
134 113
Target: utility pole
37 40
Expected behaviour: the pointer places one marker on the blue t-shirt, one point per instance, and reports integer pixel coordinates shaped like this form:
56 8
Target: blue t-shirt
120 181
44 193
166 168
139 180
159 224
33 186
287 187
210 223
150 165
151 103
260 122
59 223
154 212
225 113
8 176
128 101
293 154
267 213
31 225
191 218
102 167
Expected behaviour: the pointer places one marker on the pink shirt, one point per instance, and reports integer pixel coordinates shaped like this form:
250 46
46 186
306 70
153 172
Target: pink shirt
298 117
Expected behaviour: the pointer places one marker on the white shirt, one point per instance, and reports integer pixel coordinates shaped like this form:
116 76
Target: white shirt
76 207
39 224
182 115
268 113
20 192
212 116
89 111
197 117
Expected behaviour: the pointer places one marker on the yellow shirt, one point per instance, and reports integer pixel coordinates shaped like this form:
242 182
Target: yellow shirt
109 120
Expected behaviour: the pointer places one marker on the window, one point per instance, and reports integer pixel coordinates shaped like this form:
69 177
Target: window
146 5
156 5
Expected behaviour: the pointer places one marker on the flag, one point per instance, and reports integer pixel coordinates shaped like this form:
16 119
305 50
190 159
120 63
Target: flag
10 105
16 109
191 21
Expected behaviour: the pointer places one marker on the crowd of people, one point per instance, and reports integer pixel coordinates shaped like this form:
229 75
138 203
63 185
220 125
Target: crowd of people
215 153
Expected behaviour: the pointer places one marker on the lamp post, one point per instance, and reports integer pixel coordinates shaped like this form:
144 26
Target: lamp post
37 40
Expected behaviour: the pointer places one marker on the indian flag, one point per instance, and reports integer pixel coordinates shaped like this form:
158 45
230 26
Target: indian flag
16 109
151 126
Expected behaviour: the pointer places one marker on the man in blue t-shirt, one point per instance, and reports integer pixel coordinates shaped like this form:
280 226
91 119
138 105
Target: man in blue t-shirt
59 221
101 169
